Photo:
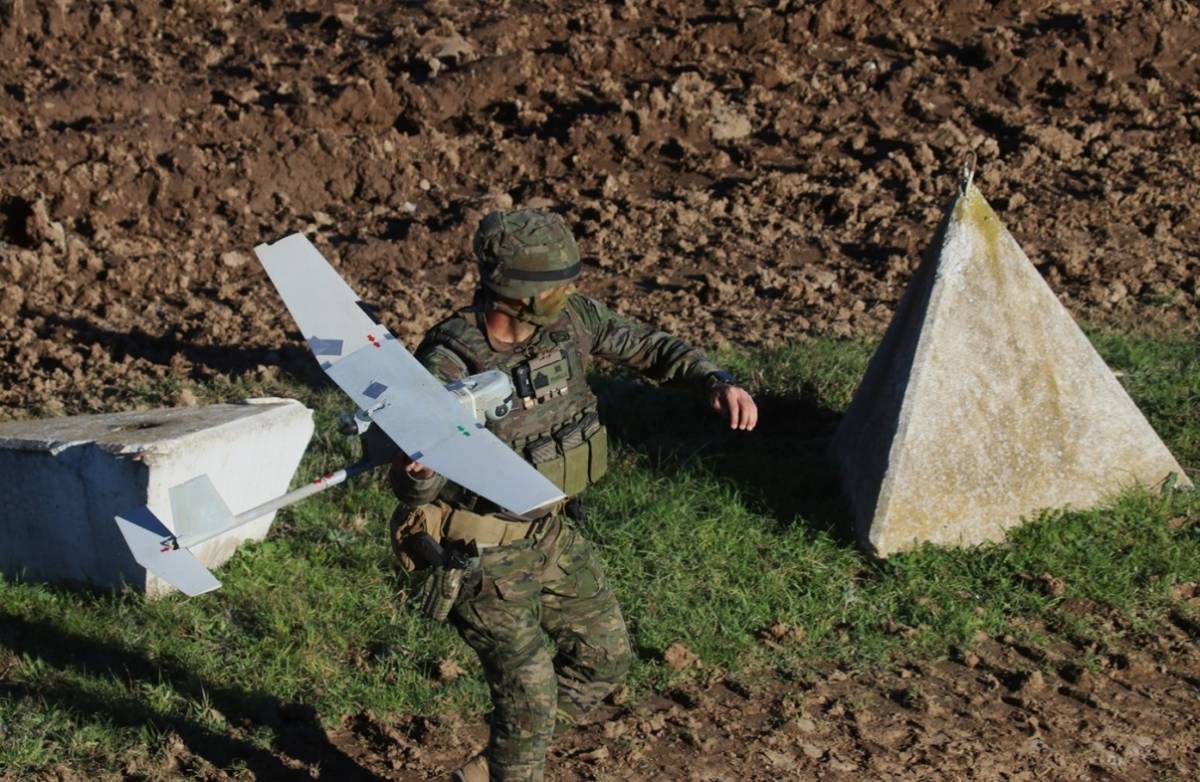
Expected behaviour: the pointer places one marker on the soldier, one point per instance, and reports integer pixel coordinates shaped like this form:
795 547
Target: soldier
527 579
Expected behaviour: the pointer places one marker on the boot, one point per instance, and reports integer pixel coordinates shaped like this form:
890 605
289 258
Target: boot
474 770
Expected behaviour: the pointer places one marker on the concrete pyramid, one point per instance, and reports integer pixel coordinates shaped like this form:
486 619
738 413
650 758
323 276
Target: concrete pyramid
985 403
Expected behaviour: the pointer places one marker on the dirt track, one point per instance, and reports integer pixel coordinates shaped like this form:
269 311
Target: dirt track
741 174
745 175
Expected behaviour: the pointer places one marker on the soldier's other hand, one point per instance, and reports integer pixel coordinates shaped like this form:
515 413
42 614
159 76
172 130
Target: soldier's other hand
415 470
419 471
735 404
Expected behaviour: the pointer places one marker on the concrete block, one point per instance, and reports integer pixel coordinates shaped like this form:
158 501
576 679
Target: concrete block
66 478
985 403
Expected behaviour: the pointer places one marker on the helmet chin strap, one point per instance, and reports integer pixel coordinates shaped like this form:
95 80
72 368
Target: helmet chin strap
503 305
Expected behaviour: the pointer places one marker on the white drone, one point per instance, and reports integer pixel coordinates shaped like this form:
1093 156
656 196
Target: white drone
440 426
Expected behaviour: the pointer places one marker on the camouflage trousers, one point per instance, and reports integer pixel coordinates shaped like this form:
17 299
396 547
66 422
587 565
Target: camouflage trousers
550 585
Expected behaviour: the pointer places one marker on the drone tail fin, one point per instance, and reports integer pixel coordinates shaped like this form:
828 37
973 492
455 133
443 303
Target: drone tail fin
156 549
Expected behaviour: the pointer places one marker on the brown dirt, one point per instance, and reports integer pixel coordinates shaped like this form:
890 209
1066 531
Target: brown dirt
738 173
1001 712
741 173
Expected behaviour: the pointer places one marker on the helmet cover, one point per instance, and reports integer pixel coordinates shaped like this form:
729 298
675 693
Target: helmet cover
524 252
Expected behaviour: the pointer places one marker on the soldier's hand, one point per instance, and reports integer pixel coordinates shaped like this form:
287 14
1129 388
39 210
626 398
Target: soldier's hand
415 470
736 404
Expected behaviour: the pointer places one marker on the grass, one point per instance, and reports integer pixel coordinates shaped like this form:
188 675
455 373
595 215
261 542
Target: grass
709 537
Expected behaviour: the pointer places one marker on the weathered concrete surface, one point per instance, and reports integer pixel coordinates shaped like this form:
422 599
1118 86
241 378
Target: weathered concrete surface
65 479
984 403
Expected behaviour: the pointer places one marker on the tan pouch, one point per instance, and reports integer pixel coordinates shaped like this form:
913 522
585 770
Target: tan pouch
597 446
575 478
544 456
408 521
554 470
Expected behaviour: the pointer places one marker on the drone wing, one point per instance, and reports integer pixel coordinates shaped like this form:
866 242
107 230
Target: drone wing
424 419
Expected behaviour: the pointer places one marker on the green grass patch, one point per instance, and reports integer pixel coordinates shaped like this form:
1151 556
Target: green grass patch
710 538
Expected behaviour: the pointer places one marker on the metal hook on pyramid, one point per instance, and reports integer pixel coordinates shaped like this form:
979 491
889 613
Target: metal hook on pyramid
968 173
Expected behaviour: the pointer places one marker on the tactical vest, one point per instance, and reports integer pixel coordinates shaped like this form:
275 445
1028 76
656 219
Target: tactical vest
555 426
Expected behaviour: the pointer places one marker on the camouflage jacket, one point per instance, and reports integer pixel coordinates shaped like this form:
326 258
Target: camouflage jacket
458 347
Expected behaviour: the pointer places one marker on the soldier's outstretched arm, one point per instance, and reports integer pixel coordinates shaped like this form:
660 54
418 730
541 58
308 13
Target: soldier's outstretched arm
657 354
662 356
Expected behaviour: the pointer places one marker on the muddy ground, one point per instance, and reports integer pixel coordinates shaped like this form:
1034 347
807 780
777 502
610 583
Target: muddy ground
1001 712
740 173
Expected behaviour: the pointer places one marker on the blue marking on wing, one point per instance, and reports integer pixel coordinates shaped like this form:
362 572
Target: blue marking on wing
325 347
374 390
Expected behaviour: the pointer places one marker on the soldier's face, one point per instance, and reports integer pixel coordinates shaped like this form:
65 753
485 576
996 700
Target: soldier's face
549 303
558 292
542 309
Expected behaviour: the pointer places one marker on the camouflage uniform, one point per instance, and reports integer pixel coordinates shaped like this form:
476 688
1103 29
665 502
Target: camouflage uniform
550 582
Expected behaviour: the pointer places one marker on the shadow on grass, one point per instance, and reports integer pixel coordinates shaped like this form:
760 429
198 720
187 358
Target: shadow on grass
298 730
782 468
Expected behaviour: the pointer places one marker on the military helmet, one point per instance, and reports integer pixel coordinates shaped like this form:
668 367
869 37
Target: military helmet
524 252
